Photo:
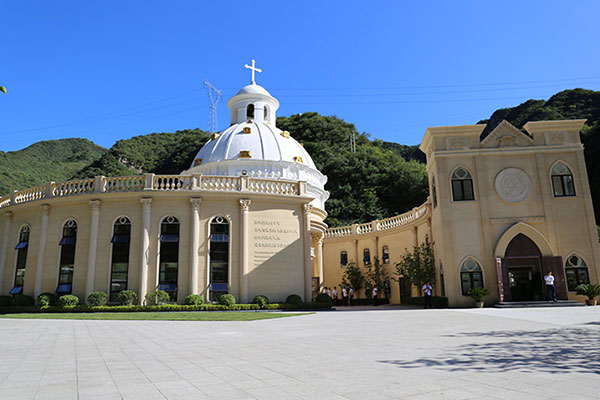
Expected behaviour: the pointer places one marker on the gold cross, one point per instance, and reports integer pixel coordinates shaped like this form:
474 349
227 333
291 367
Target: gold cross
253 70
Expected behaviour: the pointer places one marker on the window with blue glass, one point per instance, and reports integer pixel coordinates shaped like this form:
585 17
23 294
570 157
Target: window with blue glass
21 248
385 255
67 258
219 257
120 257
169 256
344 258
367 256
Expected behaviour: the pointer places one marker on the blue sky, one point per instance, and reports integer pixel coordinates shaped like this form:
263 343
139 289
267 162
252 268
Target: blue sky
110 70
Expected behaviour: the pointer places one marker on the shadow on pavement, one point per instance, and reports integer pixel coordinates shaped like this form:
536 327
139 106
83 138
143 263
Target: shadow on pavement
553 350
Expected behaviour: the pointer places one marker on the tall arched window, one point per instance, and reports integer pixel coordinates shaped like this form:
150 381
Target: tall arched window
462 185
120 257
266 115
67 258
21 260
367 256
169 256
562 181
470 276
433 192
219 257
344 258
250 111
385 255
577 272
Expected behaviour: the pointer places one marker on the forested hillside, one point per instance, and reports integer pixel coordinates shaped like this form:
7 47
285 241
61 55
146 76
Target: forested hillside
52 160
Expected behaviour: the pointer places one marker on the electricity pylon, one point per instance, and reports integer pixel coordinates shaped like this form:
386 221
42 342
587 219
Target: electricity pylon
214 95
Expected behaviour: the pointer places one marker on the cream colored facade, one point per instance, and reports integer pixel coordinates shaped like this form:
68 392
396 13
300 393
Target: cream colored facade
515 228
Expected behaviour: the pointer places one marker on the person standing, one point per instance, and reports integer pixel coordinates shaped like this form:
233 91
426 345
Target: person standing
550 288
427 294
345 296
334 295
351 296
374 291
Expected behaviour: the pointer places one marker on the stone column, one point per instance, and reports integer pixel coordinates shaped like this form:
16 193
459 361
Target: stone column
93 246
307 208
320 259
42 250
146 208
244 248
195 205
9 218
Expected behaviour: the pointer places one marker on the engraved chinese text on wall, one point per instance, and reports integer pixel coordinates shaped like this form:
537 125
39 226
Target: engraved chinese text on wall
270 237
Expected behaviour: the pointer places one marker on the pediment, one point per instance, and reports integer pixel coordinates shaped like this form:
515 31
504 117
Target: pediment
506 135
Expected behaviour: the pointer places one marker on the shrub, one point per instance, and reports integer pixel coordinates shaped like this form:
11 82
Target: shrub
97 299
227 300
6 301
160 297
22 300
590 290
127 297
46 299
193 300
261 300
323 298
150 299
68 300
478 293
293 299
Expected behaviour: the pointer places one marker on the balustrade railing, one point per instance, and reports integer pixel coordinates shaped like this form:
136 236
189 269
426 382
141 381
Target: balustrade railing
151 182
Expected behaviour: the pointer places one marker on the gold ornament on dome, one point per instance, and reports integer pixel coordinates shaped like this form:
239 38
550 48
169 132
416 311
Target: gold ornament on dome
247 130
298 159
214 136
245 154
197 162
285 134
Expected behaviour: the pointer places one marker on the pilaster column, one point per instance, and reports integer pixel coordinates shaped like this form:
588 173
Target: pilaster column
146 208
320 260
9 218
195 205
42 250
244 267
307 208
93 246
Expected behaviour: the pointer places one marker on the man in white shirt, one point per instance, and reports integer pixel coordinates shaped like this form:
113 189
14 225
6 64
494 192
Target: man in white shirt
550 288
374 292
427 293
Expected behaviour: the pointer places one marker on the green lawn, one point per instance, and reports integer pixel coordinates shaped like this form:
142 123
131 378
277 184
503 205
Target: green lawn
160 316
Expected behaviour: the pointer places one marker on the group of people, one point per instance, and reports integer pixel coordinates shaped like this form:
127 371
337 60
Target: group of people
347 295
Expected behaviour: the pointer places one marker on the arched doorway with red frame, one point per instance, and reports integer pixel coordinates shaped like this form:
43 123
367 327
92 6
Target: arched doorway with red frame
522 269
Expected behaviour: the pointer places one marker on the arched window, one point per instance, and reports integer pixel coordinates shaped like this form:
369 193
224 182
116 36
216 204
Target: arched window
433 192
67 258
21 260
577 272
462 185
250 111
385 255
442 284
562 181
470 276
120 257
169 256
367 256
266 115
344 259
219 257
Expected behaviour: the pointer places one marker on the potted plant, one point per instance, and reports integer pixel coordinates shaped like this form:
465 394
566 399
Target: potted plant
478 294
591 290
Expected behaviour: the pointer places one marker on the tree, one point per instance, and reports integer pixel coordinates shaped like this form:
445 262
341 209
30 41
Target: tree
376 274
3 89
352 277
417 266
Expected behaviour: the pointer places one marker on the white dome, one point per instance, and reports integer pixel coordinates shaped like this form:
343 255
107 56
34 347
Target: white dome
255 147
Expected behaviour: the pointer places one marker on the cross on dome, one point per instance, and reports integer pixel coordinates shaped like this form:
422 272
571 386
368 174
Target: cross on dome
253 70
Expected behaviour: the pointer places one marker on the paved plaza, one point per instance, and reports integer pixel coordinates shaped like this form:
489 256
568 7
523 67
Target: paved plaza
367 354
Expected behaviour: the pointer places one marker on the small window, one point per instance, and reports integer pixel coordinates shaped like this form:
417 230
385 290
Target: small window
250 111
367 256
344 259
562 181
471 276
266 115
462 185
577 272
433 192
385 255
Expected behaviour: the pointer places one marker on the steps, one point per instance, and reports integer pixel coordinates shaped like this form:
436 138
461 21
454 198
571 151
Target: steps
528 304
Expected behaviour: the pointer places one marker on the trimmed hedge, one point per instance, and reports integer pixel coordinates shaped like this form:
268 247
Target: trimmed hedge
323 298
194 300
261 300
22 300
293 299
227 300
68 300
158 298
6 301
46 299
127 297
436 301
166 307
97 299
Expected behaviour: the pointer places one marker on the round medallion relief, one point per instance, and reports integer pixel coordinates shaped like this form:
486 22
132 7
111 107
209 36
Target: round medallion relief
513 185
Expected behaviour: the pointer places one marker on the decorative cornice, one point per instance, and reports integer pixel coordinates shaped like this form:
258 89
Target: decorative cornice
245 204
45 209
307 208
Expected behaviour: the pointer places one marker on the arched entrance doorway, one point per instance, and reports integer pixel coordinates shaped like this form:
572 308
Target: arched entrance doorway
523 260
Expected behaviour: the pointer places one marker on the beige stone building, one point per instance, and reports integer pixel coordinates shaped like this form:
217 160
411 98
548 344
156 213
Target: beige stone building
504 209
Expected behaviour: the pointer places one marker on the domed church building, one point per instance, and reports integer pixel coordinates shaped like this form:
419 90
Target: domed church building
239 220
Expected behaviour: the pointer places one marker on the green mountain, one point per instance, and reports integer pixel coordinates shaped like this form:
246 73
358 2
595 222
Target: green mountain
52 160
